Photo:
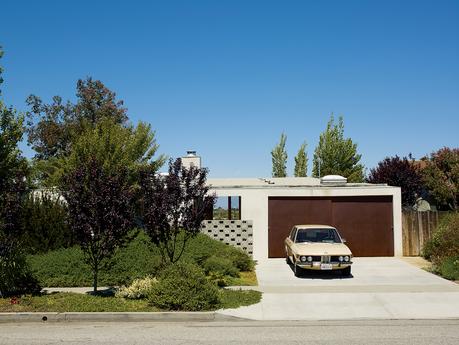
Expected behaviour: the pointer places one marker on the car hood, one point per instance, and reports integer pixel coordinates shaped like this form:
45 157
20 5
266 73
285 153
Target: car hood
310 248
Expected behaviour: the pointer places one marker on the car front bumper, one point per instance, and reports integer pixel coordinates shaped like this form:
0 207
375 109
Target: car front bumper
319 266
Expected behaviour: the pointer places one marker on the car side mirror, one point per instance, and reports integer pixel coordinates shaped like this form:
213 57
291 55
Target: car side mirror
344 240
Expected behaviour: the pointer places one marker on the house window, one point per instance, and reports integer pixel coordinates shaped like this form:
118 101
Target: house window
227 208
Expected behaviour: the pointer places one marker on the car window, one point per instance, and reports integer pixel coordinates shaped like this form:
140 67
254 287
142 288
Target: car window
317 235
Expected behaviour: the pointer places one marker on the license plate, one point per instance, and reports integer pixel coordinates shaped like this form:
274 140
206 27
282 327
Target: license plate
326 266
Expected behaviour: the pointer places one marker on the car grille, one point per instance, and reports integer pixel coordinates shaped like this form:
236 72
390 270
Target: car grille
326 259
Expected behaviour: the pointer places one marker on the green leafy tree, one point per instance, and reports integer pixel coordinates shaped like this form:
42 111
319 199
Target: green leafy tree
113 145
337 155
441 177
53 127
15 276
13 169
301 162
279 158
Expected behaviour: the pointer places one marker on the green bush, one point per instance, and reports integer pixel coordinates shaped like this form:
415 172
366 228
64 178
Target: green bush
219 265
240 259
44 220
202 247
62 267
183 286
449 268
66 267
445 240
15 275
140 258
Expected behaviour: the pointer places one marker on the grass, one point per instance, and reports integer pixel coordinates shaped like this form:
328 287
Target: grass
245 279
239 298
72 302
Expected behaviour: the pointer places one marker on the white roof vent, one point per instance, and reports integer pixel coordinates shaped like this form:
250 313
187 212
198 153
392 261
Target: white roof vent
333 180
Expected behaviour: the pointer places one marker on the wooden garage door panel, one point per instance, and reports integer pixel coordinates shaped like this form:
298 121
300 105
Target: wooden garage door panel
365 222
284 213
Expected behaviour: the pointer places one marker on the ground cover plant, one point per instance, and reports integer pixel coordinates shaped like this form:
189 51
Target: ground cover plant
140 258
443 248
72 302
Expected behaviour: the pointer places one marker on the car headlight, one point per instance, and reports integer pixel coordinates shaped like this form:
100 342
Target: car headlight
303 258
347 258
309 258
340 259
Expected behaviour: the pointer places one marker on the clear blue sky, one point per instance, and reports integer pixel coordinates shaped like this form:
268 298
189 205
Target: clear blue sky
227 77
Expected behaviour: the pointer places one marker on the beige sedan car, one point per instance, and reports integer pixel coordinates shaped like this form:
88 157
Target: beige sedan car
317 247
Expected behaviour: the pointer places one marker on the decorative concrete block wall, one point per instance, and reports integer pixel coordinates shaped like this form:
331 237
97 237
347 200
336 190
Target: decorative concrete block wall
238 233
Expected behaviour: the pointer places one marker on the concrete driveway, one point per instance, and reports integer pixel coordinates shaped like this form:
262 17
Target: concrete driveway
380 288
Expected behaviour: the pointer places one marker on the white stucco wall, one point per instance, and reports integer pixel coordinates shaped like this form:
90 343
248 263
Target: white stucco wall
254 206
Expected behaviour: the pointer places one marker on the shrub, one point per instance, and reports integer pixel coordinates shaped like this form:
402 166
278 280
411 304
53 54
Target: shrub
62 267
239 258
445 240
183 286
44 219
449 268
66 267
139 289
15 275
220 265
202 247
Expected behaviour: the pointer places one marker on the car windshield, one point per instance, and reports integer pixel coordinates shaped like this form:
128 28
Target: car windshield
317 235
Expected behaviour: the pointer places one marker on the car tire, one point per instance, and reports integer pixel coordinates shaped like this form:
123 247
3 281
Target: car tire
346 272
297 270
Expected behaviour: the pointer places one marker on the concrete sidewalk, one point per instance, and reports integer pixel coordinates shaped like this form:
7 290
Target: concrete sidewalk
381 288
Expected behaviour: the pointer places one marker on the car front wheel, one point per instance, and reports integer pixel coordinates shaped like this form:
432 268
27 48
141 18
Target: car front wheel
346 272
297 270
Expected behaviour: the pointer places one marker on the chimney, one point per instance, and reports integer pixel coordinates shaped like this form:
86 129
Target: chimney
191 159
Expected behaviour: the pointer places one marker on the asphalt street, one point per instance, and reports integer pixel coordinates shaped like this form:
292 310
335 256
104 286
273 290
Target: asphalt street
392 332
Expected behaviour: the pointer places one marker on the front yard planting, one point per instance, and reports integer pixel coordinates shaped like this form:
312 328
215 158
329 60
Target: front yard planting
443 248
72 302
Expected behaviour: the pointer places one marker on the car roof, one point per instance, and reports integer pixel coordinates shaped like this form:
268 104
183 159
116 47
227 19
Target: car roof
314 226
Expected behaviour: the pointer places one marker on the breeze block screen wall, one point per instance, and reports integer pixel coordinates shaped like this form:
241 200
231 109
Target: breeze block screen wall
237 233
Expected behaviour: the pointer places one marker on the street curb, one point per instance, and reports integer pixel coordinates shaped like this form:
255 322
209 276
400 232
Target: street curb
117 317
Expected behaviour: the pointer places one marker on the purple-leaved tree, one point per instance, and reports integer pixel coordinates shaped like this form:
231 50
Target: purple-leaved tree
174 207
400 172
101 210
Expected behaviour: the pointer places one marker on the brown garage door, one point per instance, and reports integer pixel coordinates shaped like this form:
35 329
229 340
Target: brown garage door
365 222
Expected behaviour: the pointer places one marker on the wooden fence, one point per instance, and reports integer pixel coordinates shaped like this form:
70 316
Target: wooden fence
417 229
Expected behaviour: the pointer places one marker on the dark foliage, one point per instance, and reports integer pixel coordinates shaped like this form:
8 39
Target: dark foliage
400 172
184 286
100 205
174 207
53 127
45 223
